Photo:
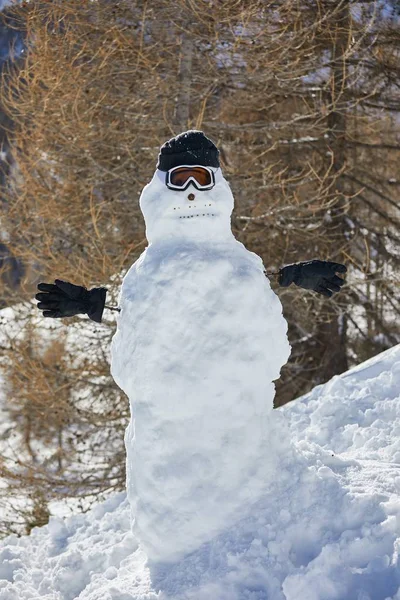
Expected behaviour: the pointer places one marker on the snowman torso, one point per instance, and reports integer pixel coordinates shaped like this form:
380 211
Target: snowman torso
193 353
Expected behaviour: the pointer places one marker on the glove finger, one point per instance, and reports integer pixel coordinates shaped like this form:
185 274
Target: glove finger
47 287
338 267
52 313
330 285
324 291
41 297
337 280
69 289
50 296
48 305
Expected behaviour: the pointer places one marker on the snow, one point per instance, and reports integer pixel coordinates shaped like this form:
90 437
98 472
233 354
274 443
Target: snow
369 393
201 384
327 527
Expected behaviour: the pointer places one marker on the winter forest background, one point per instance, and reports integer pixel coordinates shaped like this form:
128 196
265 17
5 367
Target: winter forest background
303 99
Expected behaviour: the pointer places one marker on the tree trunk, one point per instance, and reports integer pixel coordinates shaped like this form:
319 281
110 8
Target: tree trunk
182 106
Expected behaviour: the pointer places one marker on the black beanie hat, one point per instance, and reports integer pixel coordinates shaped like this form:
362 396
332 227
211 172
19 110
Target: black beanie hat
188 148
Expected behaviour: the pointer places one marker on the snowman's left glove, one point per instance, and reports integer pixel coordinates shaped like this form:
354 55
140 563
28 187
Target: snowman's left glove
317 275
63 299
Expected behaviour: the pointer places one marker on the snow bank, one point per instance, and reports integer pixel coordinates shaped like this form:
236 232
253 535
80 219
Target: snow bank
356 413
327 528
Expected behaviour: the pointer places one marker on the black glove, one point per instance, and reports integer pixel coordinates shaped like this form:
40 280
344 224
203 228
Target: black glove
317 275
66 300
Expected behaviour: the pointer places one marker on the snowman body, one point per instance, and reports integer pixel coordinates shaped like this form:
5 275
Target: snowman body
199 342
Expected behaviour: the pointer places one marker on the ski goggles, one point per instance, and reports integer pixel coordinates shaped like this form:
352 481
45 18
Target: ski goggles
179 178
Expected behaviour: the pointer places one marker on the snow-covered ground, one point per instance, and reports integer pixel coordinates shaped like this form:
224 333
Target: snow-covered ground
327 528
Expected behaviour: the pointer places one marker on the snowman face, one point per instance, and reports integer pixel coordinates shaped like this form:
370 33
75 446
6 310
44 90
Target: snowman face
192 213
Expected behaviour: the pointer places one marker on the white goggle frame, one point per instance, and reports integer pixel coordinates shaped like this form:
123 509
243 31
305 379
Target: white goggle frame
191 179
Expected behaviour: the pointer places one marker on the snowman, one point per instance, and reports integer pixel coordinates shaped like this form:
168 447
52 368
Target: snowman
200 341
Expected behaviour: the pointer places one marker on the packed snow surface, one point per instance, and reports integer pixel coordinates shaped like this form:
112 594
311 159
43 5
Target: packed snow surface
200 340
326 528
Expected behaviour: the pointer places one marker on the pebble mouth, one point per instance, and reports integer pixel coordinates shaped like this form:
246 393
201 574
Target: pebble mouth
199 215
195 207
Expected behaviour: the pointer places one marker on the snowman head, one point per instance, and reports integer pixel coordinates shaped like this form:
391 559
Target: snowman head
188 196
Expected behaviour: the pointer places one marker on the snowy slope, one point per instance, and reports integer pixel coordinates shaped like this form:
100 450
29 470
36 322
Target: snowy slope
326 529
358 413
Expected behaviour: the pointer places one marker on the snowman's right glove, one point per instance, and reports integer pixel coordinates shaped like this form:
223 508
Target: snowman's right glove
317 275
67 300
